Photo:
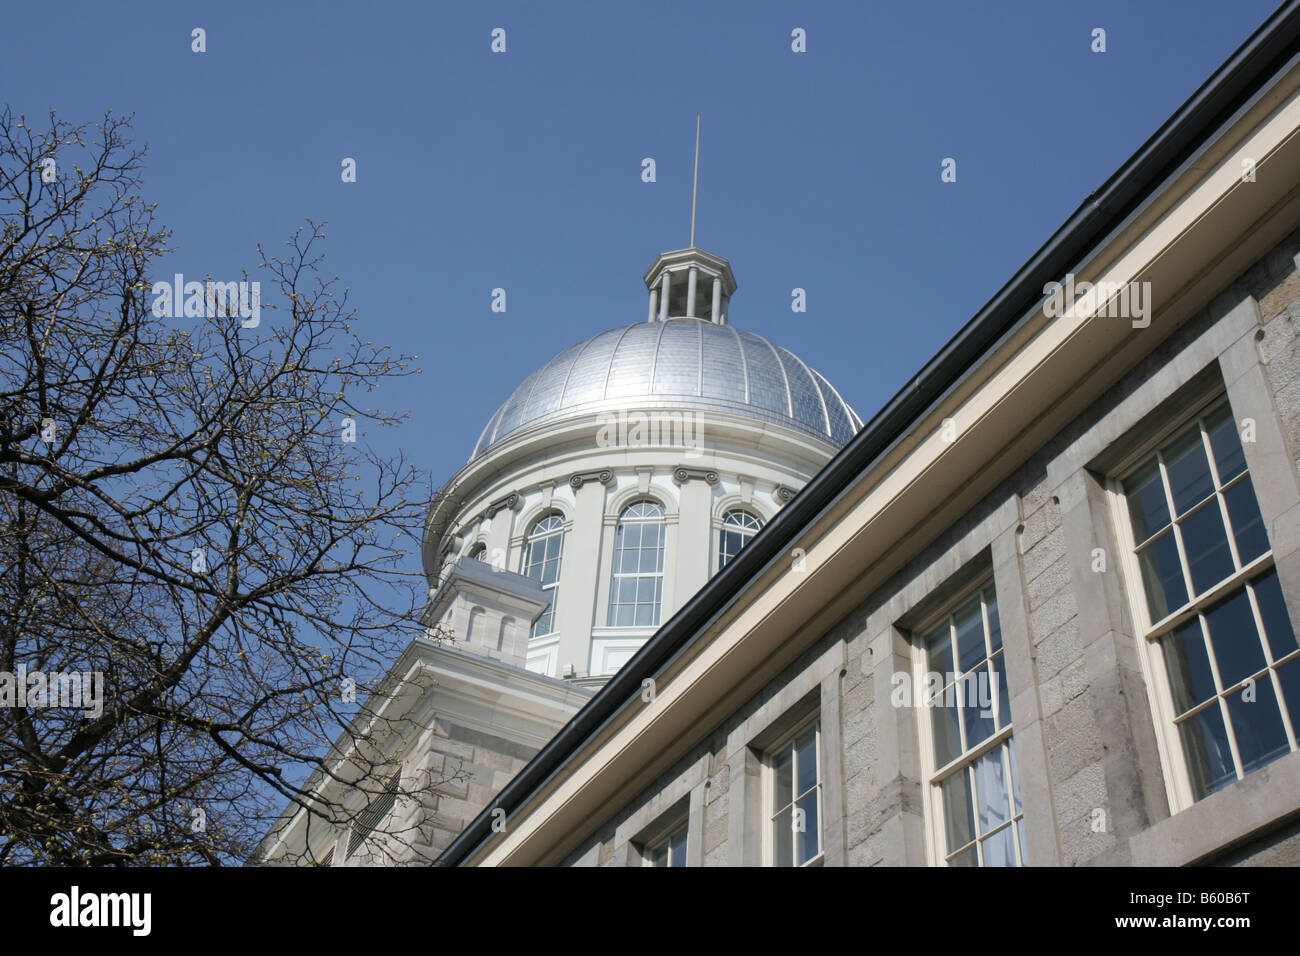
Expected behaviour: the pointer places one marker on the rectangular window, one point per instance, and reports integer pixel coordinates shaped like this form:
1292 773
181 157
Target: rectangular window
794 787
669 851
1210 608
976 816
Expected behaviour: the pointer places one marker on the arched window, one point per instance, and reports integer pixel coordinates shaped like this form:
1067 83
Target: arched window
542 550
637 587
475 629
478 552
737 528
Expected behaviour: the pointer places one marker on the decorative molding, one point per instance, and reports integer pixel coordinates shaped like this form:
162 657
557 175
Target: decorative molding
783 494
603 475
682 474
510 501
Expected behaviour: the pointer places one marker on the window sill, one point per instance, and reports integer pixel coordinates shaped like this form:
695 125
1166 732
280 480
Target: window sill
1234 814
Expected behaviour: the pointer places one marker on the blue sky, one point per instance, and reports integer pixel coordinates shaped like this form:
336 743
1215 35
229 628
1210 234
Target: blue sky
522 170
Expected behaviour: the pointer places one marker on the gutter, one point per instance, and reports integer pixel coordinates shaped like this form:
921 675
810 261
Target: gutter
1244 73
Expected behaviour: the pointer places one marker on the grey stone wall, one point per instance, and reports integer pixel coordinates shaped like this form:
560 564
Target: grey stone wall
461 769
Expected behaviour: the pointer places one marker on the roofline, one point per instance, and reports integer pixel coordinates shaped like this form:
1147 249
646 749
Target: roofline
1253 63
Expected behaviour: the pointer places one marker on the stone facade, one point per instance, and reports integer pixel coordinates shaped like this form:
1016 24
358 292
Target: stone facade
1096 786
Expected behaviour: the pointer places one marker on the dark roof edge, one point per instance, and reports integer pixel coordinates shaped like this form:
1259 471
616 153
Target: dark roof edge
1231 85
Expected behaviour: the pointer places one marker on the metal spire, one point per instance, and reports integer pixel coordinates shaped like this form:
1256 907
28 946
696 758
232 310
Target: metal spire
695 190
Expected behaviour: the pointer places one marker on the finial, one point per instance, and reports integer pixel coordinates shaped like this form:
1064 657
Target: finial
695 189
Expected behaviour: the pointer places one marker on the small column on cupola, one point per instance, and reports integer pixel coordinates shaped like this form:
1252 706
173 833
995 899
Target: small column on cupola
676 282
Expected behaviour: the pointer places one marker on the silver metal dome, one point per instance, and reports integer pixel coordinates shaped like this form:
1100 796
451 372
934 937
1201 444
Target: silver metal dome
680 363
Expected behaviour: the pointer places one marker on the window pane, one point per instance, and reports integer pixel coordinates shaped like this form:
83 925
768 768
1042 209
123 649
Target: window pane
1257 725
1289 677
1228 457
1147 507
783 777
1189 472
947 739
1247 525
676 847
1237 649
645 615
1000 849
1001 691
970 636
1273 612
1162 576
995 625
1015 778
806 841
1190 677
1206 544
977 708
991 788
782 839
964 859
958 817
806 761
939 652
1205 744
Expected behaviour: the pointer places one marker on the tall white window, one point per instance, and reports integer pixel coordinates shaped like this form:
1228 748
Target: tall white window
1225 663
973 798
738 526
637 585
542 551
794 799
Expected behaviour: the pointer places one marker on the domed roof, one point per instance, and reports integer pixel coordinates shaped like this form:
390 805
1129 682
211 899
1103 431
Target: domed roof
680 363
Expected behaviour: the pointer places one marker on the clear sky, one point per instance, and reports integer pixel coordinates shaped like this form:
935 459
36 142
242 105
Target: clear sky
522 170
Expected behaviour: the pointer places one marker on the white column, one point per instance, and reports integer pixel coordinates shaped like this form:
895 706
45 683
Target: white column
654 304
716 313
693 555
580 570
692 279
667 284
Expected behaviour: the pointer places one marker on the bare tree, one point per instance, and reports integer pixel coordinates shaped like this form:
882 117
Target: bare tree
183 513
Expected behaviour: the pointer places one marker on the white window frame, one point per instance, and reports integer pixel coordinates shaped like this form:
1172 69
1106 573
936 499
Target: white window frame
616 575
770 812
664 843
723 528
530 538
1147 633
936 843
